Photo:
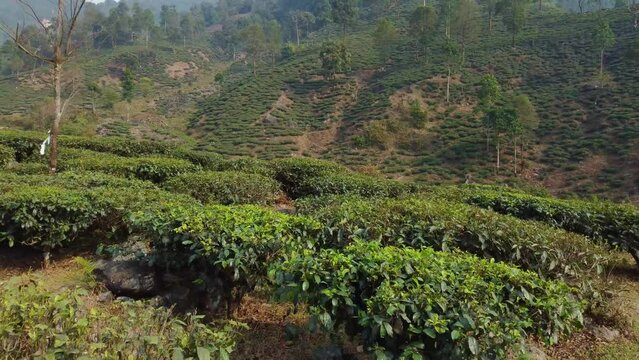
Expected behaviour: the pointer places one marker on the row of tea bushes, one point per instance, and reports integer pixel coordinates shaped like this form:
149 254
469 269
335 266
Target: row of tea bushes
232 244
617 224
447 225
422 303
7 155
226 188
49 217
38 323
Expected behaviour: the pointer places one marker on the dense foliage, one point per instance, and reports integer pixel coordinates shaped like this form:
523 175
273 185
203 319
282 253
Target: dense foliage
423 304
617 224
447 225
225 188
293 173
7 155
35 322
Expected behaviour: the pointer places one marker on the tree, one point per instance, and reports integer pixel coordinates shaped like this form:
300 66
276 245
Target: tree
466 24
490 6
128 90
253 39
61 47
94 91
422 24
273 34
528 121
344 13
603 39
489 95
299 19
142 22
335 59
384 37
514 16
450 49
501 121
633 9
446 13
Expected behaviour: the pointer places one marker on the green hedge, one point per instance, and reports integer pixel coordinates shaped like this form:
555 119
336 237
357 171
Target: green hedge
49 217
27 144
7 155
153 169
353 184
428 304
226 188
73 180
236 243
293 173
444 226
27 168
38 323
616 223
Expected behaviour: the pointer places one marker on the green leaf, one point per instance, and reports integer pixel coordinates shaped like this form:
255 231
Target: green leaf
455 334
203 353
177 354
473 345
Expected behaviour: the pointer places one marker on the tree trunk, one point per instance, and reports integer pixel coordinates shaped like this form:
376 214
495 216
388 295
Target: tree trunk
513 39
498 154
601 58
515 156
490 23
635 255
297 32
463 53
254 67
448 86
55 130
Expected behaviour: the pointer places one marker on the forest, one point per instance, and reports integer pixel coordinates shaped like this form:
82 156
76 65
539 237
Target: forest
334 179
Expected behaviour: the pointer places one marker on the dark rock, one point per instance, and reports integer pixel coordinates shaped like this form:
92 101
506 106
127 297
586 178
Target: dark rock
106 296
330 352
127 278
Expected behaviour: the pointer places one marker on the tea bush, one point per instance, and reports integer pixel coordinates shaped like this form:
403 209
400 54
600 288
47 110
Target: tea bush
293 173
236 244
153 169
7 155
225 188
27 168
37 323
428 304
617 224
353 184
446 225
73 180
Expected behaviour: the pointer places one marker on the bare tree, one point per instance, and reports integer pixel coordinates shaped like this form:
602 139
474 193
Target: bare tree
58 32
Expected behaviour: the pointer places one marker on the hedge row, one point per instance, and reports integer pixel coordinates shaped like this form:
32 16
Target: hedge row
48 217
235 244
155 169
414 304
27 145
72 180
226 188
7 155
37 323
444 226
615 223
294 173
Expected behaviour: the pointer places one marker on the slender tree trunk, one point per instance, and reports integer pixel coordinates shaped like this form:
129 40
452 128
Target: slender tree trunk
297 32
254 67
515 156
513 39
490 23
463 52
498 154
55 130
448 86
601 59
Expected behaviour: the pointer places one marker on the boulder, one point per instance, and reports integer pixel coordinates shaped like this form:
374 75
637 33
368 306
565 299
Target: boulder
128 278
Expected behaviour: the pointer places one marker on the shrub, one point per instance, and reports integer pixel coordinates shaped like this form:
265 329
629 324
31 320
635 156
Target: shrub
428 304
225 187
7 155
248 165
24 144
355 184
40 323
153 169
444 226
236 244
27 168
615 223
74 180
294 172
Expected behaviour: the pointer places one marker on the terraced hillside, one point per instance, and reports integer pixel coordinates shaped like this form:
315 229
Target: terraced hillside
586 142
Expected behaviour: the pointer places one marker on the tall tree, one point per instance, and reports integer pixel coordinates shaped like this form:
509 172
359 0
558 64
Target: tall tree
128 90
254 42
490 7
502 121
489 95
344 13
422 24
446 14
273 34
142 23
384 37
514 16
603 39
335 59
528 122
452 56
301 19
466 25
61 47
633 9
